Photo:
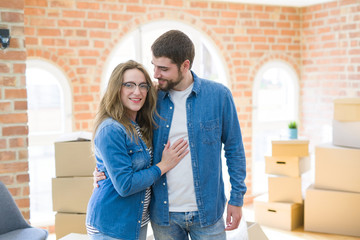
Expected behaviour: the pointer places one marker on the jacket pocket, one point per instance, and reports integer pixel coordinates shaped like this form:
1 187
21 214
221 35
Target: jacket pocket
210 131
138 157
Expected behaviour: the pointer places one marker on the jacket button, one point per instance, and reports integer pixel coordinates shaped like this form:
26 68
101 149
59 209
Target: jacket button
165 202
164 184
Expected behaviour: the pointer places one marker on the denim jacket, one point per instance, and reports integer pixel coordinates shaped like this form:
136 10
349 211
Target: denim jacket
115 208
212 120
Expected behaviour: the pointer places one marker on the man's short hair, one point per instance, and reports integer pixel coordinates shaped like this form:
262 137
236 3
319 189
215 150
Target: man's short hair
174 45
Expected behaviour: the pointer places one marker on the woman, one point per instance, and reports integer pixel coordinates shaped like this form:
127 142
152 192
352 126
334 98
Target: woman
118 208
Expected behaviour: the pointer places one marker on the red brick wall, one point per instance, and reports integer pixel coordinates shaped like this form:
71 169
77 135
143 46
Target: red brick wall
330 62
321 42
13 106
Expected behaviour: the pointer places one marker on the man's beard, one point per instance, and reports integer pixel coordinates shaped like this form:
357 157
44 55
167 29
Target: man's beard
171 84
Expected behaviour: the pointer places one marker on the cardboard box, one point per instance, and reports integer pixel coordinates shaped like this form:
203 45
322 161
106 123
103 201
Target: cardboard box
337 168
246 230
66 223
287 166
347 109
287 216
255 232
73 155
285 189
71 194
346 134
333 212
76 236
293 148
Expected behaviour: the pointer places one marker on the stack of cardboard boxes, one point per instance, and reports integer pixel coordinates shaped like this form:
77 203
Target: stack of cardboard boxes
283 206
73 185
332 203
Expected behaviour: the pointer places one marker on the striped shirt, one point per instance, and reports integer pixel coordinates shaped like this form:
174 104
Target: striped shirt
145 214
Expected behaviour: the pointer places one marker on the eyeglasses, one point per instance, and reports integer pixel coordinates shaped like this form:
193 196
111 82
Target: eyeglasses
143 87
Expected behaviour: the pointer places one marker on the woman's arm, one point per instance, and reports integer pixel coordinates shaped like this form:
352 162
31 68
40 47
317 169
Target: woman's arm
110 145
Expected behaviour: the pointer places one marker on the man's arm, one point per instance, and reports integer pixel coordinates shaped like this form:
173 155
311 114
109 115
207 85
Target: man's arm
236 162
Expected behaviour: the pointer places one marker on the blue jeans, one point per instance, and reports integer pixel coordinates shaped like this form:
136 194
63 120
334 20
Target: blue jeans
183 224
101 236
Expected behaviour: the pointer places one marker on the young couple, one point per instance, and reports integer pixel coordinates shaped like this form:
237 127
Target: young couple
159 152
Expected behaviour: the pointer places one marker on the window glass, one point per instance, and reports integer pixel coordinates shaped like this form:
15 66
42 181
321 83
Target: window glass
44 102
275 105
275 96
137 46
49 116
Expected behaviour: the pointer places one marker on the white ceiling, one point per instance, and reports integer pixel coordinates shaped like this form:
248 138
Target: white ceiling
290 3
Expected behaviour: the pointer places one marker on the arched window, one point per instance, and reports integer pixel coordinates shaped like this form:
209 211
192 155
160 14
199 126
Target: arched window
49 116
137 46
276 100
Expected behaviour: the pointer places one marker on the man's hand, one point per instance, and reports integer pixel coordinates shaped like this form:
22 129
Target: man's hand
98 176
234 215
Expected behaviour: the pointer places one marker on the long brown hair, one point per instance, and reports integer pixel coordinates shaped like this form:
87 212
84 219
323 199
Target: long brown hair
112 106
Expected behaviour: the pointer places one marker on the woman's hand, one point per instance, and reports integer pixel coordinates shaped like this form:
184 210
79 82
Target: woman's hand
172 155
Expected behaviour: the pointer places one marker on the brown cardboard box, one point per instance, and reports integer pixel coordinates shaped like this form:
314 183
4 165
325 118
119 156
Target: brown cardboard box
66 223
287 166
71 194
335 212
73 155
287 216
337 168
255 232
347 109
285 189
293 148
346 134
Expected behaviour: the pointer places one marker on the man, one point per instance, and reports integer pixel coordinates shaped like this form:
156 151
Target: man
190 198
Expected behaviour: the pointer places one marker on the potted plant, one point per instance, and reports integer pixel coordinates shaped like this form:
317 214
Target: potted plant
293 133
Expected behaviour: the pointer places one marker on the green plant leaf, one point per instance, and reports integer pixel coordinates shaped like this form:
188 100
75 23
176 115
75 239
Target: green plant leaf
292 125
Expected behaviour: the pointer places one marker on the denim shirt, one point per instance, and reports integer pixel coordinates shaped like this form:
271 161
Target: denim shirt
211 121
115 208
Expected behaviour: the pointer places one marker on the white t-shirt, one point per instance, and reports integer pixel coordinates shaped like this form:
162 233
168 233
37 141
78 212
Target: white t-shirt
180 179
